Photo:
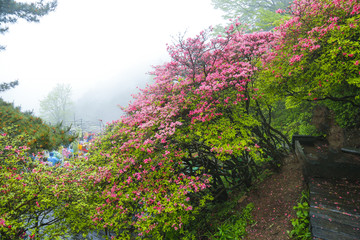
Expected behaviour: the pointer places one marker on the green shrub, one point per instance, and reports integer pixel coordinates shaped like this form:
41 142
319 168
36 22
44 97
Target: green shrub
301 224
40 136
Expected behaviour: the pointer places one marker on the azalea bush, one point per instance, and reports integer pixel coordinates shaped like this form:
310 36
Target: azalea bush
139 192
205 123
189 137
35 200
316 57
204 127
210 83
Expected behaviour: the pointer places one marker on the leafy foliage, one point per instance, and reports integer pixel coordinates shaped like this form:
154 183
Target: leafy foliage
207 125
36 200
293 119
40 135
208 88
301 224
257 14
11 11
235 227
139 192
7 86
183 137
315 58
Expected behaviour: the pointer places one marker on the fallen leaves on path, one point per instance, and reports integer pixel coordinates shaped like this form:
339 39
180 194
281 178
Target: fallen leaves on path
274 200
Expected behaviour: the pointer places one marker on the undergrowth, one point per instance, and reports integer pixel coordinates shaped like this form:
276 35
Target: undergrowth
222 220
235 226
301 224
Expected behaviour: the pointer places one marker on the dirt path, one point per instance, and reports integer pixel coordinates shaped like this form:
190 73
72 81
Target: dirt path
274 200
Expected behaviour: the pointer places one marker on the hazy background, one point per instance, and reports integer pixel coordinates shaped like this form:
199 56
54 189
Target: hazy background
103 49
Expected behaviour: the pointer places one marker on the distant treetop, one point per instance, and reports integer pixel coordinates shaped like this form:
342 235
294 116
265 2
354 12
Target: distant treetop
259 14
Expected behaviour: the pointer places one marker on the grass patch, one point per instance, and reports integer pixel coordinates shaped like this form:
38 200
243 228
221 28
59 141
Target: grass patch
235 226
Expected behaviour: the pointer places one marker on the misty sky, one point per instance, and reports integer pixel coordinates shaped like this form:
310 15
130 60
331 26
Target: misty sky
102 48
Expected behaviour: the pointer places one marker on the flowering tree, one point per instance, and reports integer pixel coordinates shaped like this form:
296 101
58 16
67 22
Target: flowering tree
317 56
214 84
193 129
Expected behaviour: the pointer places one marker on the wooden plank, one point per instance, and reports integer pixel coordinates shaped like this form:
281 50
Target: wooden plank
325 224
342 217
334 209
337 190
344 196
351 150
326 234
336 205
337 185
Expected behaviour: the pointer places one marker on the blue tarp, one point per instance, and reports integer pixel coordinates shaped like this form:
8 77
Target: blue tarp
54 160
